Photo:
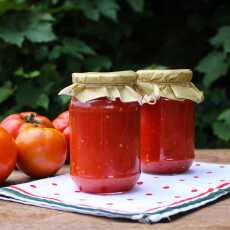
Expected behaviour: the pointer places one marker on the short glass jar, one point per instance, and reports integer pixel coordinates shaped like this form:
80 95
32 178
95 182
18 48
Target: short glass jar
167 125
105 132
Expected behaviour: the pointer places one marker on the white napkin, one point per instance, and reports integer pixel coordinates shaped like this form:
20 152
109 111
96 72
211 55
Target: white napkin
155 197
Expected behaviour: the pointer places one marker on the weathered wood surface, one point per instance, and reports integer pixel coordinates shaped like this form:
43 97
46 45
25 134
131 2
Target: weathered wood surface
21 217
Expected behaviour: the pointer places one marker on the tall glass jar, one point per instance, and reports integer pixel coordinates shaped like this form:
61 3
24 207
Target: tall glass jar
105 132
167 125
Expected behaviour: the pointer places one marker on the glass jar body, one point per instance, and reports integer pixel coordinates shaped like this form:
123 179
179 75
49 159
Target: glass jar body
104 145
167 136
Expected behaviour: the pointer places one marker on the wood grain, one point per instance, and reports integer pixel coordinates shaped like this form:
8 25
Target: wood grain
18 216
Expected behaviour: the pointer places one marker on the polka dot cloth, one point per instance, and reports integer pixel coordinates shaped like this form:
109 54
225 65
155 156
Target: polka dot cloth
155 197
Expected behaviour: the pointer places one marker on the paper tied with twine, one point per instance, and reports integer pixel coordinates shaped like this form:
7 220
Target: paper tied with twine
170 84
111 85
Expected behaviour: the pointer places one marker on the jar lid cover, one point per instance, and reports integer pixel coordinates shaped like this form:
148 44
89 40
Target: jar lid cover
172 84
112 85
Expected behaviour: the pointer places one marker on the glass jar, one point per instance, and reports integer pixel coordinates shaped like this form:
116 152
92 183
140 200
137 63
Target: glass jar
167 126
104 145
167 136
105 135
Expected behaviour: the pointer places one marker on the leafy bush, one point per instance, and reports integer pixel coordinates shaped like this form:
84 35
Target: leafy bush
42 42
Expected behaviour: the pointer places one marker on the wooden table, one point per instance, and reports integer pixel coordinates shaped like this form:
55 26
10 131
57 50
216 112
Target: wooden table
18 216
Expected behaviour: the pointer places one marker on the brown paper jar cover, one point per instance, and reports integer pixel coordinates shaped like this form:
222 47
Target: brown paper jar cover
172 84
91 85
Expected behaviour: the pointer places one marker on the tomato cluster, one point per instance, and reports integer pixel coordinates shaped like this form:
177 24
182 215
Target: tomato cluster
37 145
15 123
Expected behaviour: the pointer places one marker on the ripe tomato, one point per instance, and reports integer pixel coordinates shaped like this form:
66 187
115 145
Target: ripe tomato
61 123
41 151
15 123
8 154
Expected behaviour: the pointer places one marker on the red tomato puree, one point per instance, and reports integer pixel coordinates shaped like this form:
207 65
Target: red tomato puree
167 136
104 145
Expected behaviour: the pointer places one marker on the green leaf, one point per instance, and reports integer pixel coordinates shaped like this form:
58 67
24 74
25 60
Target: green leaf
98 63
14 28
72 47
155 66
29 75
64 100
73 65
92 14
216 96
225 116
222 38
27 95
41 53
39 28
213 66
9 33
93 9
6 91
77 46
55 52
40 32
50 75
6 5
64 8
222 130
108 8
43 101
30 96
137 5
89 9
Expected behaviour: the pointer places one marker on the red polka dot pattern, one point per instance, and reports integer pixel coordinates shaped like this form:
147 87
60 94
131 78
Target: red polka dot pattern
166 187
148 194
33 186
140 182
177 196
153 192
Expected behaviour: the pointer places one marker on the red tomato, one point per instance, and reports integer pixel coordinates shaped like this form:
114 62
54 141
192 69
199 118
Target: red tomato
8 154
41 151
62 124
14 123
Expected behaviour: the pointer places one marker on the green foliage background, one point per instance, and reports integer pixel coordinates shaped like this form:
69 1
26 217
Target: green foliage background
43 42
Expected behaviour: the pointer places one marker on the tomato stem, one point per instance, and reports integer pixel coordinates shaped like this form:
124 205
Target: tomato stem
31 119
